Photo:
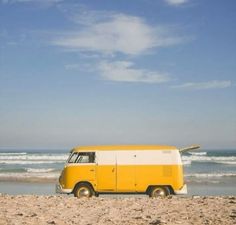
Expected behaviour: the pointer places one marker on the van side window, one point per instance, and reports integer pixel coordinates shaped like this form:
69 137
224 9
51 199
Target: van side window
73 158
86 157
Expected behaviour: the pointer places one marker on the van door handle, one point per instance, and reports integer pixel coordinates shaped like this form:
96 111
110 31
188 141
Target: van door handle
92 170
113 170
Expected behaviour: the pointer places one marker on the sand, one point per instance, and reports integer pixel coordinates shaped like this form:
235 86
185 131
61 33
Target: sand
33 209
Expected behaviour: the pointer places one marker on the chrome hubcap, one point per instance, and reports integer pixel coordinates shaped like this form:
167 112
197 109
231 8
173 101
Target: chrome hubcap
83 192
159 192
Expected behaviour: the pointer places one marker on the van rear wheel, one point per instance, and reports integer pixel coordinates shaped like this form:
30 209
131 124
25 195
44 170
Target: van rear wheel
158 191
83 190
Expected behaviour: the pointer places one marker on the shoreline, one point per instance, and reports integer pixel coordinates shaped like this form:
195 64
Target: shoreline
29 179
42 187
44 179
62 210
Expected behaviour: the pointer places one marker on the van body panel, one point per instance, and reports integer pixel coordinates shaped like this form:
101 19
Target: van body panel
106 171
150 175
83 172
126 168
106 178
126 178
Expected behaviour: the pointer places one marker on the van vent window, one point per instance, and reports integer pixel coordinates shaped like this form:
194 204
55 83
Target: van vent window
73 158
86 157
69 157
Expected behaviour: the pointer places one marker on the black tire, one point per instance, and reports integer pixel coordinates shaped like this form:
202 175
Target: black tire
83 190
158 191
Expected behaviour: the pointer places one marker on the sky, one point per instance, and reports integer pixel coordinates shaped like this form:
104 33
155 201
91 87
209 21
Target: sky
117 72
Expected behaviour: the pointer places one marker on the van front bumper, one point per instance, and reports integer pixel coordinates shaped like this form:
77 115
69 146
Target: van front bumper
60 190
182 191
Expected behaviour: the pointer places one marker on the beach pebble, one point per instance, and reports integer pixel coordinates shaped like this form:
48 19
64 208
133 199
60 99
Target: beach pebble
232 202
155 222
232 198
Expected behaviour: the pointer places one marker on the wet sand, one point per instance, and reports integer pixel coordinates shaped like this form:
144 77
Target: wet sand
34 209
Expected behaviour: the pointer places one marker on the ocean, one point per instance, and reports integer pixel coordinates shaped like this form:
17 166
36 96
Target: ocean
207 172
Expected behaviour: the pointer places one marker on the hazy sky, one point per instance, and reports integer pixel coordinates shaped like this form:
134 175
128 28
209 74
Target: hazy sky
117 72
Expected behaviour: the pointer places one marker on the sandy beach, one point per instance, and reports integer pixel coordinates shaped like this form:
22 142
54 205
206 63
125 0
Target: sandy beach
33 209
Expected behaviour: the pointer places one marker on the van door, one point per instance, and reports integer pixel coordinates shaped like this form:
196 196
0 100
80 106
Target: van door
106 171
126 171
86 164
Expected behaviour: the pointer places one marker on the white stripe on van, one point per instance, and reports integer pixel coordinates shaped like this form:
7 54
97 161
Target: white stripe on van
106 157
139 157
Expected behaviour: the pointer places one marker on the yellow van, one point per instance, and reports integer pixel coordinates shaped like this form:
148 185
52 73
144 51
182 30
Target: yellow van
152 169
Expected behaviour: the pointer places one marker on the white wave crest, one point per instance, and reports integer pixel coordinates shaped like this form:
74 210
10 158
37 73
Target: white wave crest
50 157
29 175
198 153
18 162
187 162
200 158
207 175
43 170
12 153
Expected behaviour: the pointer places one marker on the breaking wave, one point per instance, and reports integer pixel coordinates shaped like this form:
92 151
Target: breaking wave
47 157
12 153
198 153
230 160
209 175
23 162
29 175
43 170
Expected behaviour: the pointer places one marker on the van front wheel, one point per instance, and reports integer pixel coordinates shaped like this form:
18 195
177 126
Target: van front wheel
158 191
83 190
